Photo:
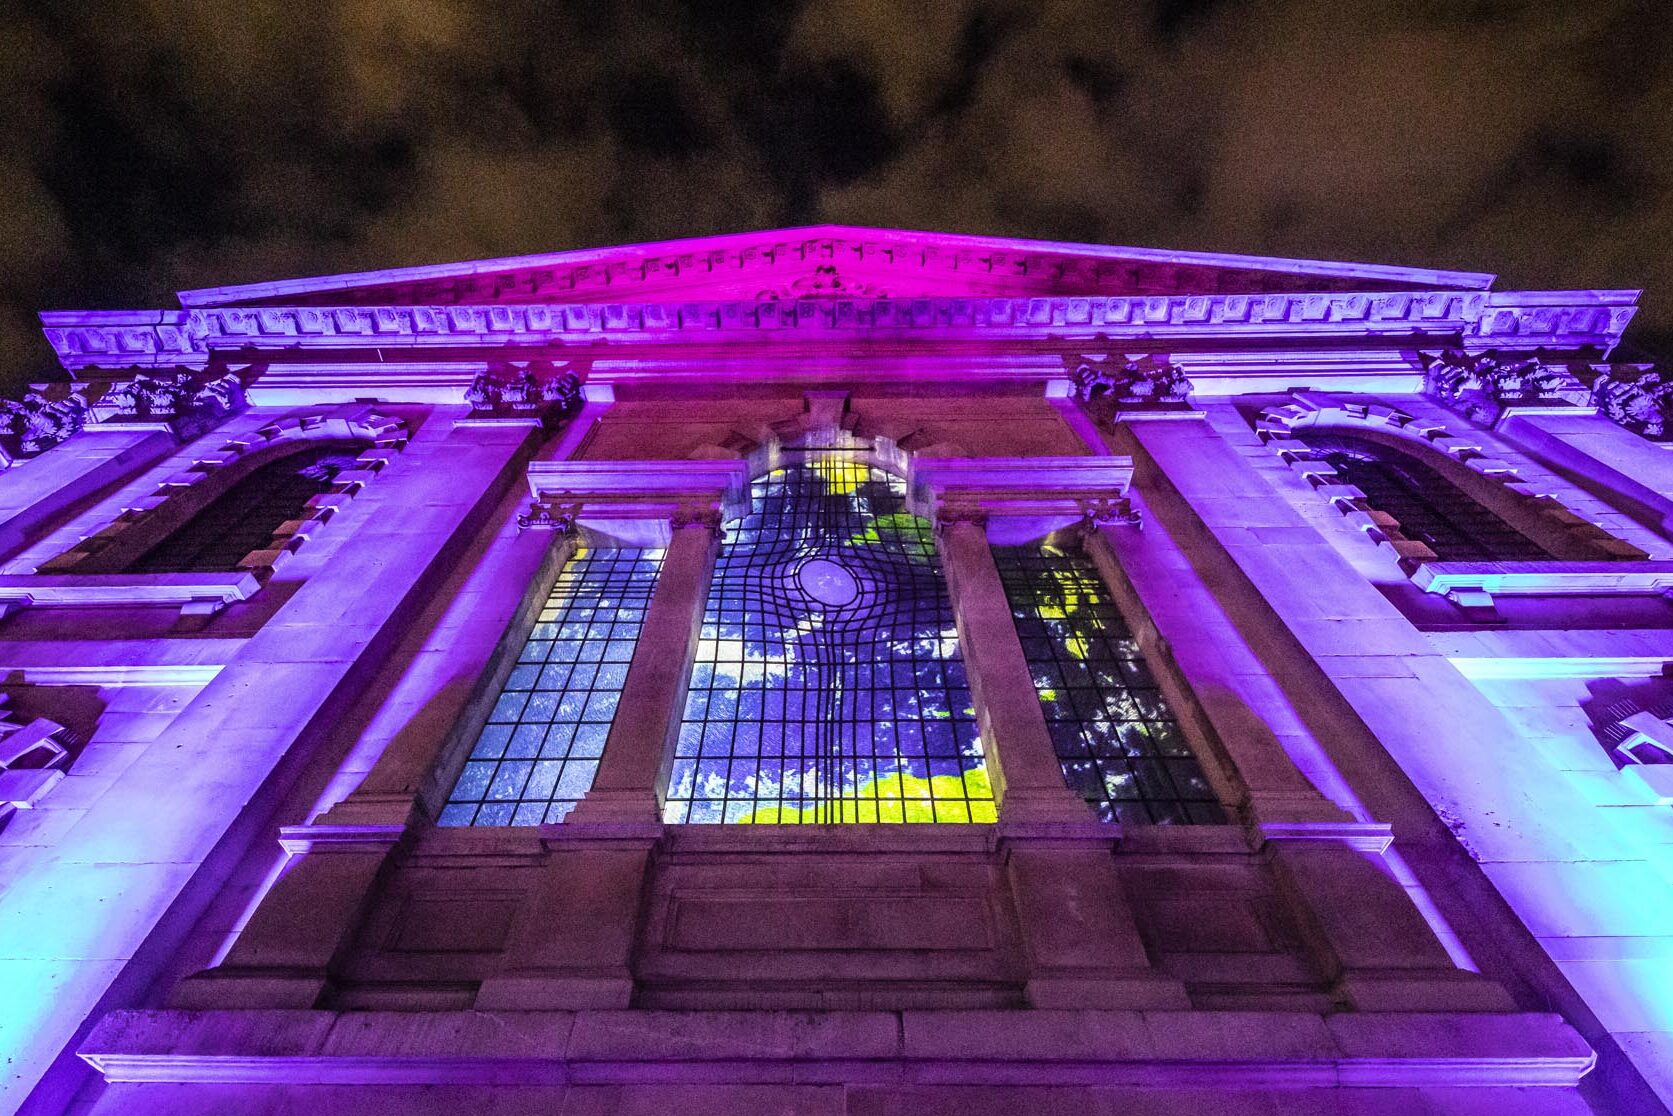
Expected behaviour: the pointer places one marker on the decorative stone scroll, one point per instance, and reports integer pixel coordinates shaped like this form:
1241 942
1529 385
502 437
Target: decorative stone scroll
1638 397
533 389
1129 381
37 422
1482 386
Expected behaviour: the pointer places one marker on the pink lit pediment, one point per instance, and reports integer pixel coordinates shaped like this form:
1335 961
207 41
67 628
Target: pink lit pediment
831 261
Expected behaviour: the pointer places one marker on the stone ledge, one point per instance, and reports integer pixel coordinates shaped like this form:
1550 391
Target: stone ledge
1140 1048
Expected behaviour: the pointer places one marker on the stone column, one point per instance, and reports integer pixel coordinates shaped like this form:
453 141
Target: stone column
1372 688
1021 760
293 941
1081 945
636 752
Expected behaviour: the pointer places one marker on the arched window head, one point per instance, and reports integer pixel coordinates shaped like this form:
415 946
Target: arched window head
828 685
244 518
1429 507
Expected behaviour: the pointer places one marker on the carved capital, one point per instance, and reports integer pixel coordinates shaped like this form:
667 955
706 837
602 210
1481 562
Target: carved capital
550 517
1121 381
37 422
1115 511
697 516
535 389
1480 386
953 515
1638 397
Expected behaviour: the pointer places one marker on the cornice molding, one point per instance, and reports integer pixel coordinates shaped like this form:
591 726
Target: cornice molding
1565 320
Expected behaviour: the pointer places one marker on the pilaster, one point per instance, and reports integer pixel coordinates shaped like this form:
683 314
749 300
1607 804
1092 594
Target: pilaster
1022 762
635 759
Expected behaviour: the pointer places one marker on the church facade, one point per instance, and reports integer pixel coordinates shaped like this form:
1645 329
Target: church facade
840 670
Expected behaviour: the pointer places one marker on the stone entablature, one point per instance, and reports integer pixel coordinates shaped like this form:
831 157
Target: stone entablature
1555 319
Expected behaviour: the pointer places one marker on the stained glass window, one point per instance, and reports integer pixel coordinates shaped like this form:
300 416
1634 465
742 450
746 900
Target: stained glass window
244 517
1430 508
828 685
537 754
1118 742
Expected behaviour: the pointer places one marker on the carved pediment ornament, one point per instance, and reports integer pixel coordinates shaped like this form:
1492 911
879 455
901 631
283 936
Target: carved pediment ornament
527 389
1480 386
1147 380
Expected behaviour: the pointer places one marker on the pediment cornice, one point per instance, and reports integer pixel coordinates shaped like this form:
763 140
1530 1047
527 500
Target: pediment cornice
831 262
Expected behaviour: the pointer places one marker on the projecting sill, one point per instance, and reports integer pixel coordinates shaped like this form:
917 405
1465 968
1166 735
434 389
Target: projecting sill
193 594
1475 584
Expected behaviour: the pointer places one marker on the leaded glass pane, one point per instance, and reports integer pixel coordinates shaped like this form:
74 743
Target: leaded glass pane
536 756
1429 507
828 685
1116 738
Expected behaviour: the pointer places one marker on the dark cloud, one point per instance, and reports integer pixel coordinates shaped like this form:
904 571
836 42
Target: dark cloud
150 145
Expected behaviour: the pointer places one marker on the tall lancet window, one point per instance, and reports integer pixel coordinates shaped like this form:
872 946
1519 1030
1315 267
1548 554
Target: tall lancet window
1429 508
536 756
243 519
1118 742
828 685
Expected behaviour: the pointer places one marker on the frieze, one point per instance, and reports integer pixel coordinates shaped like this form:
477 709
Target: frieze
1481 386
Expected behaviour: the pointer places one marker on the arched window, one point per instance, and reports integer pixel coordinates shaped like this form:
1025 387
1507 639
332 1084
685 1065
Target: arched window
536 756
1429 507
1118 742
828 685
243 519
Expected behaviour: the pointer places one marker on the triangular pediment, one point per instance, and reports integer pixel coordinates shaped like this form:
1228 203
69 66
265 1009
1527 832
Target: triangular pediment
832 261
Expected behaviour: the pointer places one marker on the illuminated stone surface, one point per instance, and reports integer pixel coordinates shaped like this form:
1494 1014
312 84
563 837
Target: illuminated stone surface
1377 851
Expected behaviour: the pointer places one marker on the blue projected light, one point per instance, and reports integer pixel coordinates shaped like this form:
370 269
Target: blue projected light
538 753
828 685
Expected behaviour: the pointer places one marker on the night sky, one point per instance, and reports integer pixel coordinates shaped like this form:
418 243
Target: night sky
159 144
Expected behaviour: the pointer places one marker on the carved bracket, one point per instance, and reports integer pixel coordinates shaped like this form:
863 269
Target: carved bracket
533 389
543 516
1128 381
37 422
1482 386
1638 397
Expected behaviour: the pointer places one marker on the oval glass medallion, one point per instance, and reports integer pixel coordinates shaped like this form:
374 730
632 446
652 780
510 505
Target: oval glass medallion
827 582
